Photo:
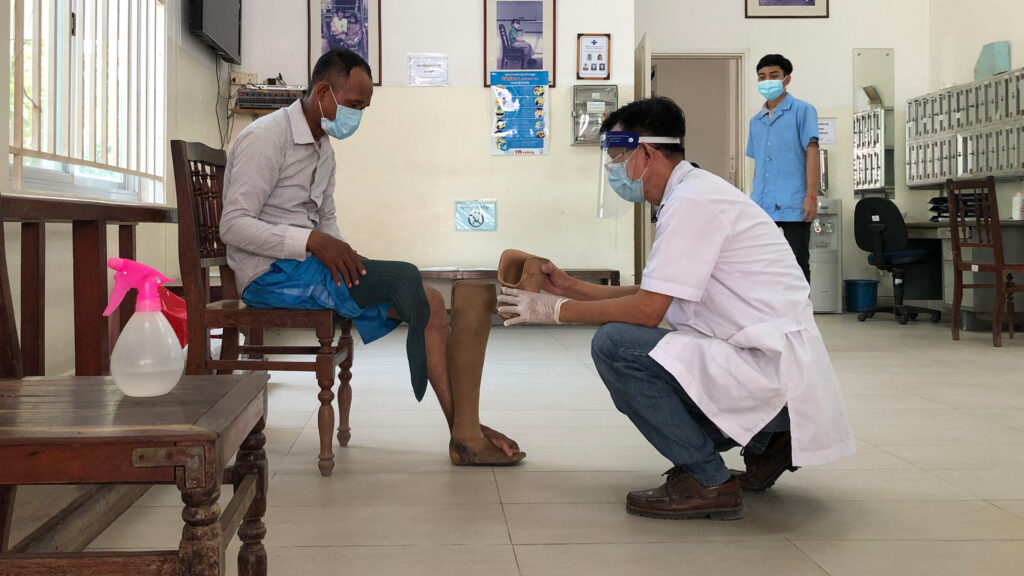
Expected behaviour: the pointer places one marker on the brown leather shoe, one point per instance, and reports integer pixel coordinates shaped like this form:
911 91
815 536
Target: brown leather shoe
765 468
681 497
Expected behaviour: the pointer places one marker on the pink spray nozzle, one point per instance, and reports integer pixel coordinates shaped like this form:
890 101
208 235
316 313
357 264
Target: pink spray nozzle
130 274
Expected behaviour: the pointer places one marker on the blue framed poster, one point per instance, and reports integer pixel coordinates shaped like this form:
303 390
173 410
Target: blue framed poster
519 119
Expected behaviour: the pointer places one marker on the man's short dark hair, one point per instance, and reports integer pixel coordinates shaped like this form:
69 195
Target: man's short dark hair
658 116
776 60
515 21
336 63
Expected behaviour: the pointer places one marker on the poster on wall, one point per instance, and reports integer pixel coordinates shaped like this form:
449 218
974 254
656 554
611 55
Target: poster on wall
593 53
519 117
351 24
519 35
787 9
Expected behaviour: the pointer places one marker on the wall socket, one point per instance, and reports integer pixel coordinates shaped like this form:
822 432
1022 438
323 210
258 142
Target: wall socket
243 78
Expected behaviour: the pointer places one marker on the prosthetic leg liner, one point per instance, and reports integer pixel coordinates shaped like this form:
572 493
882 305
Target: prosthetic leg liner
400 284
472 306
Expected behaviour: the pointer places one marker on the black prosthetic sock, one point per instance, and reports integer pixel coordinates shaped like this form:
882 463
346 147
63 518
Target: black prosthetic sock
400 284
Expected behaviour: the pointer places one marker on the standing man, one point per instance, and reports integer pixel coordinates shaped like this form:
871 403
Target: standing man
284 245
783 141
743 362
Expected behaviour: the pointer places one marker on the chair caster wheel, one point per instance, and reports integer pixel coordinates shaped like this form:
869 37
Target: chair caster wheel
902 319
936 317
862 317
913 315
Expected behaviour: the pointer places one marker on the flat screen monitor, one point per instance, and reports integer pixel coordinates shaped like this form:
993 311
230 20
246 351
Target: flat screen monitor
218 23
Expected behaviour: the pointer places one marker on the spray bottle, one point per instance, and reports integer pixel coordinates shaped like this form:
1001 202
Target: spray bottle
147 360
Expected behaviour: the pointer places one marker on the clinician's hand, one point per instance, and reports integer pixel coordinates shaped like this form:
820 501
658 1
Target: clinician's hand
810 208
556 281
343 262
530 307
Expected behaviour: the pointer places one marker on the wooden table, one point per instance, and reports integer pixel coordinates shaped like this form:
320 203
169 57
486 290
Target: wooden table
82 430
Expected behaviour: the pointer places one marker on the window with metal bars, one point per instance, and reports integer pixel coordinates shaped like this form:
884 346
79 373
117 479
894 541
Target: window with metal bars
88 97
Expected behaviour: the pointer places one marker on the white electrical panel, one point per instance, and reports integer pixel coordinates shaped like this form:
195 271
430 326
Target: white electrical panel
873 150
967 131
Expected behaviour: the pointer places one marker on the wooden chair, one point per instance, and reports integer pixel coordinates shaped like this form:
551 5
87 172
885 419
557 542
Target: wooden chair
510 53
974 223
199 181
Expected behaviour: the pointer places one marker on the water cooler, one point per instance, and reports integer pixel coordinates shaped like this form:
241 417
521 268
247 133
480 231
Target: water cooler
826 257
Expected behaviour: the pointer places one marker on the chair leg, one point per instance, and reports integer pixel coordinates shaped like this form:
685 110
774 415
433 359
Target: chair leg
7 493
997 312
229 347
256 339
958 297
345 388
325 416
1010 312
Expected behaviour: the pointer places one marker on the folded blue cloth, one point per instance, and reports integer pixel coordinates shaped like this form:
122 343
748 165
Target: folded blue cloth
308 285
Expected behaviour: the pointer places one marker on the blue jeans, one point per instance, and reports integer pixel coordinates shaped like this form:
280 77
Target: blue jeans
659 407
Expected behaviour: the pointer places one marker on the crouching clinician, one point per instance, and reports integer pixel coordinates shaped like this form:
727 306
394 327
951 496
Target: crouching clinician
742 361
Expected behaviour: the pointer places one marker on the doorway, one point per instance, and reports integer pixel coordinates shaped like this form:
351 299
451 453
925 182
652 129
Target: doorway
707 88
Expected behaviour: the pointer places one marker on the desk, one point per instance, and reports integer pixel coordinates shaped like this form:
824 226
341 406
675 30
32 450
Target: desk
82 430
977 304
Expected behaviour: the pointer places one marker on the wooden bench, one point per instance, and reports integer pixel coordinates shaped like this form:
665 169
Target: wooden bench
596 275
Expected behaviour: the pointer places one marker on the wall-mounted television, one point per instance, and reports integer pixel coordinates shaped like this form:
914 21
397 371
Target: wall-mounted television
218 23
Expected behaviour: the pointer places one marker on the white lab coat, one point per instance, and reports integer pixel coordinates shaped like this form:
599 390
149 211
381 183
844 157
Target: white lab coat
745 343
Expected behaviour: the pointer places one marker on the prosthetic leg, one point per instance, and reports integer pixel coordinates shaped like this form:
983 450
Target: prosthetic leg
520 270
472 306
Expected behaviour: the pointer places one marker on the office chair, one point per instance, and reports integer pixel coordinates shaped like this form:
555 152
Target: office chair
879 229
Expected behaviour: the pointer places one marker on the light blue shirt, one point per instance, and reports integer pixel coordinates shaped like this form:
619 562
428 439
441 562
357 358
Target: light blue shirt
778 144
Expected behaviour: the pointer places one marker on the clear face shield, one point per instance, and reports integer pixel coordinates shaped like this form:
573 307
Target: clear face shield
621 186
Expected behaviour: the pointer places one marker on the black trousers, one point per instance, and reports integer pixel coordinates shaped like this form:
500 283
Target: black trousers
798 234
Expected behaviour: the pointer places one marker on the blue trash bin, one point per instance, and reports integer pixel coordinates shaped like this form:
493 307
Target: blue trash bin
861 295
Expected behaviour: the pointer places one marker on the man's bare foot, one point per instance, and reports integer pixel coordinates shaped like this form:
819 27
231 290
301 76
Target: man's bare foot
502 442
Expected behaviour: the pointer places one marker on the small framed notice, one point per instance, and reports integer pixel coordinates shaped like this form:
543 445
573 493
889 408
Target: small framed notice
592 56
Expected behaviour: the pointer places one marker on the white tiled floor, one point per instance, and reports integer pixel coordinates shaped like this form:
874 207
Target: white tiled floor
937 487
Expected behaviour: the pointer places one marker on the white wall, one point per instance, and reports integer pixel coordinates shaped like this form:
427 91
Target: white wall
822 54
421 149
957 37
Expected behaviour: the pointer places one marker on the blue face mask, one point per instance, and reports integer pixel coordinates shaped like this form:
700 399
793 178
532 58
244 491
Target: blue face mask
627 189
770 89
345 123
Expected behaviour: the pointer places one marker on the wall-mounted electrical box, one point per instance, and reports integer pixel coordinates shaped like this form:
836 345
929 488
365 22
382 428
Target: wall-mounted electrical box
873 151
590 106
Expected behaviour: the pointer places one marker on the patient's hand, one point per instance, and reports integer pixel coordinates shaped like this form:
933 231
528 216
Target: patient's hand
504 443
556 281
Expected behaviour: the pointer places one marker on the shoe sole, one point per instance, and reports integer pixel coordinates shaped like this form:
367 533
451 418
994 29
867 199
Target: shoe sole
761 488
726 514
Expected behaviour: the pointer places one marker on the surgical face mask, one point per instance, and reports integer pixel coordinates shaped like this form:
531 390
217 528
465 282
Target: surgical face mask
770 89
628 189
345 123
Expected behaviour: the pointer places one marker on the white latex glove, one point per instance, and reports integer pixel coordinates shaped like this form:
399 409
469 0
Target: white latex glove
531 307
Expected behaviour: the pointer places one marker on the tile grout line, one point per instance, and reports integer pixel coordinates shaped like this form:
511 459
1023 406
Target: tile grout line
508 529
806 555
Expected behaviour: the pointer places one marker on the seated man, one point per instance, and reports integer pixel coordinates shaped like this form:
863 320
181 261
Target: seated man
284 245
743 357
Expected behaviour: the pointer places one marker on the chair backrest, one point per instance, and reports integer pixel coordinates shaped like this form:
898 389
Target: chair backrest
10 350
974 217
504 37
879 215
199 184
